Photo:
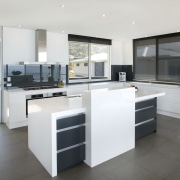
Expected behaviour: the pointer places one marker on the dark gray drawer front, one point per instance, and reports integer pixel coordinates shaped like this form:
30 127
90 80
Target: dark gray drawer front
145 114
70 121
143 104
145 129
70 157
70 137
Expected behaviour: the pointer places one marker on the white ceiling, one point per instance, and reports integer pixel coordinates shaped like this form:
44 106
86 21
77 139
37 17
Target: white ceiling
84 17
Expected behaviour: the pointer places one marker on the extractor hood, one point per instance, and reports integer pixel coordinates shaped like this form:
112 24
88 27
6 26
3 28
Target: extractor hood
41 46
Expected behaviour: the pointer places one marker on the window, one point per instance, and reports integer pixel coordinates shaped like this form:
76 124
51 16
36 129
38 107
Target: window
89 59
145 59
157 58
169 59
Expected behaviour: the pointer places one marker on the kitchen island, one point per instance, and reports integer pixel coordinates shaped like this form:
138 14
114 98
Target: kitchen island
16 99
94 128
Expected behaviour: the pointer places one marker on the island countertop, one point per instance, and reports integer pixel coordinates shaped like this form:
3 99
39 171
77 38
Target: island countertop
64 103
142 94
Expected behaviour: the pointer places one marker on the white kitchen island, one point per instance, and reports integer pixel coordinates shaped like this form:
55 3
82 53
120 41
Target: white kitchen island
15 99
109 127
107 130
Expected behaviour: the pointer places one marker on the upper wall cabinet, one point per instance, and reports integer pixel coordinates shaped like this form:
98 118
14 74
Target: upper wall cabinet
157 58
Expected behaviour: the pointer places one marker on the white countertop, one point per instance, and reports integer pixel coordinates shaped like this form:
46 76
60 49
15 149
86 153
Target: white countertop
60 104
55 104
142 95
89 86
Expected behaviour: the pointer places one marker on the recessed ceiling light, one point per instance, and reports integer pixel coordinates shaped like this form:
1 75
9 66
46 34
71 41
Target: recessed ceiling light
133 22
177 30
19 26
63 31
62 5
103 15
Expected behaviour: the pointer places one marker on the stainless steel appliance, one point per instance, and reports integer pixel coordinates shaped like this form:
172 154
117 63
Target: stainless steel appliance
122 76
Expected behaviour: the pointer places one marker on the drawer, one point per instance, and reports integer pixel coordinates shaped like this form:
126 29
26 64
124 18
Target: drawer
144 104
70 137
145 129
145 114
70 157
70 121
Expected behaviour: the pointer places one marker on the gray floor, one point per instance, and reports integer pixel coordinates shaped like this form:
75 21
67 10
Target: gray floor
155 157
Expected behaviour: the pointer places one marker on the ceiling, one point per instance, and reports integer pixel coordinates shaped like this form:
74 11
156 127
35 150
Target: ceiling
84 17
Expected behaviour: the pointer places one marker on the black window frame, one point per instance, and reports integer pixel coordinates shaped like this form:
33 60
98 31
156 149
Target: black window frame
89 40
157 38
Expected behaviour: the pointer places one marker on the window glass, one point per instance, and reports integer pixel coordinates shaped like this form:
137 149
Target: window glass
145 59
88 61
33 70
78 55
15 70
169 59
99 61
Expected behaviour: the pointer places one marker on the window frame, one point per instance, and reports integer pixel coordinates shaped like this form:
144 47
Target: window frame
90 41
157 57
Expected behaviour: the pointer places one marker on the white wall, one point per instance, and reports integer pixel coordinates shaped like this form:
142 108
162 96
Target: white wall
18 45
116 52
127 49
57 48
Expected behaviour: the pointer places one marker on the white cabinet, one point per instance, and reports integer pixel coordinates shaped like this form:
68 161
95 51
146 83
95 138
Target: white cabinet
168 104
15 109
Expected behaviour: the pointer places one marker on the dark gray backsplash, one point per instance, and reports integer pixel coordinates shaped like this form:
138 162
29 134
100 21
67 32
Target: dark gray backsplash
115 69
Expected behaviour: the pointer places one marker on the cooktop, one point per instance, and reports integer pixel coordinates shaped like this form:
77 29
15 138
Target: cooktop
39 87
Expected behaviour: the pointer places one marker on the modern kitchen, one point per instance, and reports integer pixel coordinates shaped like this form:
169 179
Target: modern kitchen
89 106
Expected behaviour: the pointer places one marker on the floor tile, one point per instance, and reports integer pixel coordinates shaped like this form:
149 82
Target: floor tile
155 157
131 171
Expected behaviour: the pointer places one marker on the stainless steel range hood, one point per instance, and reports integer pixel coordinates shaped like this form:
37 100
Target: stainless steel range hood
41 46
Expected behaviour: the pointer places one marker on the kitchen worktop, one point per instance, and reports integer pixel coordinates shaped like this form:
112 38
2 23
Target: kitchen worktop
15 99
56 104
142 94
88 86
59 104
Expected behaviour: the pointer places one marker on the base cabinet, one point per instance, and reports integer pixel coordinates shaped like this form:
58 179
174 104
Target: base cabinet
145 117
70 157
70 141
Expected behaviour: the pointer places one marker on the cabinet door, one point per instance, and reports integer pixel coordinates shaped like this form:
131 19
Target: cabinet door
70 157
145 114
144 104
145 129
70 121
70 137
17 110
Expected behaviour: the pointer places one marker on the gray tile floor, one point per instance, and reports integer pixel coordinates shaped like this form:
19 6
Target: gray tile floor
156 157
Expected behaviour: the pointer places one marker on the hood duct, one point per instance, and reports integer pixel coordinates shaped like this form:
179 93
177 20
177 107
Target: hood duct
41 47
